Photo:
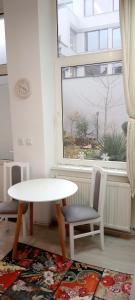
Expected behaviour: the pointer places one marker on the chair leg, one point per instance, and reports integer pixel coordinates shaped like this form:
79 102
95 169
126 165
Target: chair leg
31 218
102 235
61 228
64 228
66 225
17 231
67 229
71 237
91 227
7 224
24 223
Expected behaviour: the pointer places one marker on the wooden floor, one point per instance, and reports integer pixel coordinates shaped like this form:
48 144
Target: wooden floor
119 253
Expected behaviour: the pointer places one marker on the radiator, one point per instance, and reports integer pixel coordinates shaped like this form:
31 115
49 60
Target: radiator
117 208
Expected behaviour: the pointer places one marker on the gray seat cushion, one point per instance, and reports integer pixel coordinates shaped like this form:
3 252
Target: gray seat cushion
11 207
76 213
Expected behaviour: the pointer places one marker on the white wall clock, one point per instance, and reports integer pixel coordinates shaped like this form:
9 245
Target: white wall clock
22 88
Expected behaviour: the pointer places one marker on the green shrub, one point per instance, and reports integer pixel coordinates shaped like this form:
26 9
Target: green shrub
114 145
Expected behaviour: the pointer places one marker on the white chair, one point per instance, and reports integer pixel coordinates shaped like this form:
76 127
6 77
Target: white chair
76 215
14 172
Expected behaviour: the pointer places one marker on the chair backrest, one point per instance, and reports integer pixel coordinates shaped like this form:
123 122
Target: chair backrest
14 172
98 189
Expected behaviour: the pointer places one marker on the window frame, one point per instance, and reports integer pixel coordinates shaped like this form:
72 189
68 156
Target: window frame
78 60
106 56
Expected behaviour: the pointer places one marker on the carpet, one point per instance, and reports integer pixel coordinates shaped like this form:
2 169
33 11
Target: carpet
37 274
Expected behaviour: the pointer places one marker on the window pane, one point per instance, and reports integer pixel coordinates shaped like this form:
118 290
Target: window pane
92 70
103 6
80 71
88 8
116 38
73 26
103 39
69 72
92 41
73 72
95 70
2 42
72 39
94 114
116 4
117 68
103 69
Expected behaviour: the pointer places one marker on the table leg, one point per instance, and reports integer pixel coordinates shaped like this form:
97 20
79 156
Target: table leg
61 228
18 226
64 203
31 218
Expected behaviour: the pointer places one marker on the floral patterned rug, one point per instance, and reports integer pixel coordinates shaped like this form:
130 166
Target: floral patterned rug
37 274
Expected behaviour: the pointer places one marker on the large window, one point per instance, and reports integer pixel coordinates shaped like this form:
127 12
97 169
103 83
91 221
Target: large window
92 119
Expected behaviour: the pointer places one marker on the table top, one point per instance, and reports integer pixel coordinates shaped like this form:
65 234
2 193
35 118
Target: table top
43 190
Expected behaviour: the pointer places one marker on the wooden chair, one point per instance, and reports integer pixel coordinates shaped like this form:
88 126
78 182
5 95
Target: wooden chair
76 215
14 172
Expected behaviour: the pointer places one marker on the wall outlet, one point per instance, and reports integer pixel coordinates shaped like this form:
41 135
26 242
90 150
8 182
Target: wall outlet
28 141
21 141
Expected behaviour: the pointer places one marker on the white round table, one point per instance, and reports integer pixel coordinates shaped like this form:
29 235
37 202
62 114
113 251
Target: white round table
42 190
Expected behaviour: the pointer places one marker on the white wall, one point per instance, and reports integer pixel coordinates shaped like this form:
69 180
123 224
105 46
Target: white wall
48 53
30 54
1 6
5 120
23 56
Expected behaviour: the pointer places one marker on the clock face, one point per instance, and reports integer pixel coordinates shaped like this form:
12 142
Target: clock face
22 88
